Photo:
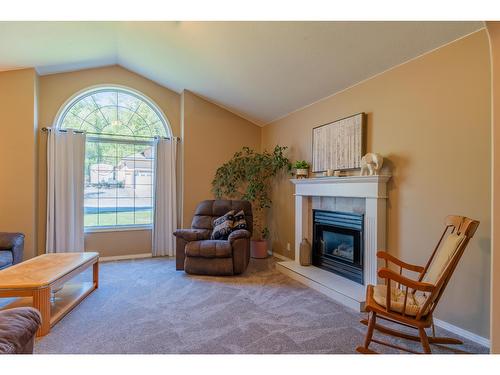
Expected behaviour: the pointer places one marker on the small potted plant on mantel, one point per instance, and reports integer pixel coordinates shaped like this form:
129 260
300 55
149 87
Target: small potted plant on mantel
301 168
248 176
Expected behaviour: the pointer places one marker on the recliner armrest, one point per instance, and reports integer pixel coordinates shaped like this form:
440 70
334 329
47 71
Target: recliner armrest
193 234
239 233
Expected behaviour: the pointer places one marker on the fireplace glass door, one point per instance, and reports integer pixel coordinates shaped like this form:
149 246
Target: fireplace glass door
338 243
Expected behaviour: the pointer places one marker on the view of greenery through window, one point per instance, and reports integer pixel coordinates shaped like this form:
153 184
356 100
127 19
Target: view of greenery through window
119 159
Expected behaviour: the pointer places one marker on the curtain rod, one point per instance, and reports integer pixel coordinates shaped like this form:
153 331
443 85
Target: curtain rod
45 129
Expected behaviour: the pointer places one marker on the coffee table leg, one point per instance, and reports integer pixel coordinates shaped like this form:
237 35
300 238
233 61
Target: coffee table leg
96 274
41 301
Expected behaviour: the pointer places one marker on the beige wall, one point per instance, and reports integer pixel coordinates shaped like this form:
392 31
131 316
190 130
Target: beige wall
431 119
17 155
494 33
119 243
54 91
211 135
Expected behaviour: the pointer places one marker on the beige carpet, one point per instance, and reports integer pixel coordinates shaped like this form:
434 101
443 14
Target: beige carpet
145 306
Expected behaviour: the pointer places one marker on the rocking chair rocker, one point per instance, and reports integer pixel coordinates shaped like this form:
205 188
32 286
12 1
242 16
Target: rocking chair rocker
412 302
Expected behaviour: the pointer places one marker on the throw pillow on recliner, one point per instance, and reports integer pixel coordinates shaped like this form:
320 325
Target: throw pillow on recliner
223 226
239 221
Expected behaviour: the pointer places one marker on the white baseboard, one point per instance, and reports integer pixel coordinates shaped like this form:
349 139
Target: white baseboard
125 257
281 257
462 332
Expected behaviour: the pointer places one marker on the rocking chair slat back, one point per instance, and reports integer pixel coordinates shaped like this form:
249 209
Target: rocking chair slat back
459 225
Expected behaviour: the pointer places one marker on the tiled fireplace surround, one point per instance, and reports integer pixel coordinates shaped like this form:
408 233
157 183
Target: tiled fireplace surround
360 194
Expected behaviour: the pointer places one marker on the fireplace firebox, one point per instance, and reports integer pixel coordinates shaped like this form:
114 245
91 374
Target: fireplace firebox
338 243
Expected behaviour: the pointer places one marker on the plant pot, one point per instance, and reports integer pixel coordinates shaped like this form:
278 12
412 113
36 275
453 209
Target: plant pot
258 249
302 172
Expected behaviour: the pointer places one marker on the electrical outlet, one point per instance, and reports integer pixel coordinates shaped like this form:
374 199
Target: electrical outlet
288 246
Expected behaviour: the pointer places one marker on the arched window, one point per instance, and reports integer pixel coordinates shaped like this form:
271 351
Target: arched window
121 125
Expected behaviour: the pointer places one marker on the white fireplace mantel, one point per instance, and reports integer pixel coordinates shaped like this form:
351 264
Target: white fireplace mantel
351 186
373 190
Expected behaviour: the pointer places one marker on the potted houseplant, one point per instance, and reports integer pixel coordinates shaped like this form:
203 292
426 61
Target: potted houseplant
301 168
247 175
258 247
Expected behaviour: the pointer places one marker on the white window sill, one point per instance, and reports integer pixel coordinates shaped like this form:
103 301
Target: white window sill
121 228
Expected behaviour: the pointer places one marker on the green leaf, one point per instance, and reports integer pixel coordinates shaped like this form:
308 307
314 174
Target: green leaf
248 176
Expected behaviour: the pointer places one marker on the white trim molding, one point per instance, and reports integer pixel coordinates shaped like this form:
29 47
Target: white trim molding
117 228
125 257
462 332
281 257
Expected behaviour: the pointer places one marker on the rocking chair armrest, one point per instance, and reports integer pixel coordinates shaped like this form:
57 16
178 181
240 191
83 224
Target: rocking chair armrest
388 274
388 257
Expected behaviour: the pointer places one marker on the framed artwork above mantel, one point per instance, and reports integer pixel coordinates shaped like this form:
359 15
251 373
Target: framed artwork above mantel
339 145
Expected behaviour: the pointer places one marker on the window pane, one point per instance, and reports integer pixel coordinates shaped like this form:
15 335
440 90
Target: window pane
96 120
139 126
124 150
123 191
107 191
108 160
125 214
90 210
106 150
111 115
124 115
143 217
83 108
72 122
107 212
143 191
106 98
148 115
128 101
143 203
119 171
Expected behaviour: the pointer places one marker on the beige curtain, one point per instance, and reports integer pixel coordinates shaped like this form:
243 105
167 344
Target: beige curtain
65 179
165 205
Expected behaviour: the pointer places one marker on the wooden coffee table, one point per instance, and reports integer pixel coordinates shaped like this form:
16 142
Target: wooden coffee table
35 279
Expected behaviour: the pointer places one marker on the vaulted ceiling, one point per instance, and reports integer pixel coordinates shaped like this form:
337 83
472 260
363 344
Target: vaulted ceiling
260 70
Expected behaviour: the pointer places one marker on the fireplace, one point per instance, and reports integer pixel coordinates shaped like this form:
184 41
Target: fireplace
338 243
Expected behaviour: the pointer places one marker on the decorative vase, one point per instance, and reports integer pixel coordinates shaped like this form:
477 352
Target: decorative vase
302 172
258 249
305 256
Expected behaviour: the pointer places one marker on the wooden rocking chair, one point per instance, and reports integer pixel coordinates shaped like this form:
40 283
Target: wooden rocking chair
412 302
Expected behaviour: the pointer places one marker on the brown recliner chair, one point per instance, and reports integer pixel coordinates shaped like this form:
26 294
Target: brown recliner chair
197 254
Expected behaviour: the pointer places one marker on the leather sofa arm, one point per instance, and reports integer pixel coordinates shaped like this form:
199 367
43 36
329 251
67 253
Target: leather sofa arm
13 242
239 233
18 327
10 240
193 234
